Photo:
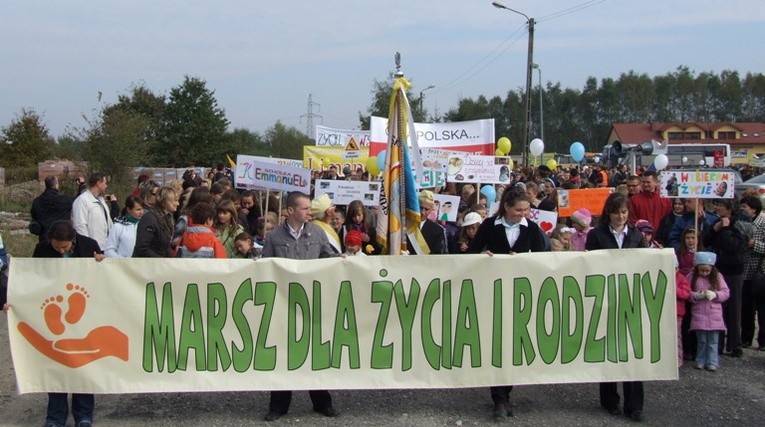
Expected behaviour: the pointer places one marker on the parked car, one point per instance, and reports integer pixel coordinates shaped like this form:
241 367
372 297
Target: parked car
757 183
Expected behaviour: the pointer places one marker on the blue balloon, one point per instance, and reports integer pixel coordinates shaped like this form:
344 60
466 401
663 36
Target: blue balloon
381 159
577 151
490 193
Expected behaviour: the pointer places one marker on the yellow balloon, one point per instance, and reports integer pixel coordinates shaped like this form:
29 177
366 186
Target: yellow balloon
326 162
552 164
510 163
504 144
372 166
499 152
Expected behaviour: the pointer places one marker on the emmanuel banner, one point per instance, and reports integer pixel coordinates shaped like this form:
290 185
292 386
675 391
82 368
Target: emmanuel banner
146 325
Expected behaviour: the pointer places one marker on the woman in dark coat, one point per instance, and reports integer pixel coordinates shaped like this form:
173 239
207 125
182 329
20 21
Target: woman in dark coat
510 220
64 242
508 232
155 229
614 232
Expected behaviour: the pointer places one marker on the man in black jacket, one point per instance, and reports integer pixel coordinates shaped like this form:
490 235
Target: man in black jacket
50 206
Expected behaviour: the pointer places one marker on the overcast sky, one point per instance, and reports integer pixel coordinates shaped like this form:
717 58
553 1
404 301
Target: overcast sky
263 59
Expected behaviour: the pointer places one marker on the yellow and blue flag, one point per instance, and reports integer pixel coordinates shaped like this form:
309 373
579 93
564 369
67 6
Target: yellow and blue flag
400 207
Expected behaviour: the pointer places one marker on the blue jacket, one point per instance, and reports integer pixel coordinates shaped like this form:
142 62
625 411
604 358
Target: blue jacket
686 221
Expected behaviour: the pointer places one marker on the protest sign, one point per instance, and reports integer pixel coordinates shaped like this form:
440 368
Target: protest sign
182 325
252 172
446 208
332 137
462 167
321 158
545 219
472 136
433 168
593 199
697 184
343 192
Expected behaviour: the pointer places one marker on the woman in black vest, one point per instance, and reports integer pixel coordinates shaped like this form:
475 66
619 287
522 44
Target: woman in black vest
613 232
508 232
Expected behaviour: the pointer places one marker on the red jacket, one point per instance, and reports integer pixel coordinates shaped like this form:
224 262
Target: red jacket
200 241
650 207
683 290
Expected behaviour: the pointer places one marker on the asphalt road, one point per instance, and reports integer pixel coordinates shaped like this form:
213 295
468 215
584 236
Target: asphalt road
734 395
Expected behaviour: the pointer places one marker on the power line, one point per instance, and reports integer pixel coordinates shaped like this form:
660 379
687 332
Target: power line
571 10
496 53
491 57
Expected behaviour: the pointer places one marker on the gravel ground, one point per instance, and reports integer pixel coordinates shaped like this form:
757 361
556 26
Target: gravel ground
731 396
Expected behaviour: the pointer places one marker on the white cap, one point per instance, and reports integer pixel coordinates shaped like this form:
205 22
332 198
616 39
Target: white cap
471 218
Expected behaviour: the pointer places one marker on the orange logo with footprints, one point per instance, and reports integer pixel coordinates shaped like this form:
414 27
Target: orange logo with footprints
100 342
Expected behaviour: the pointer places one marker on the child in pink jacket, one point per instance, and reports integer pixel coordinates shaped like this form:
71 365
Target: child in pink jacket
709 292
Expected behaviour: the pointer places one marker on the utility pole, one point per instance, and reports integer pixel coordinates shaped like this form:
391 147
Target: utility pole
527 122
309 128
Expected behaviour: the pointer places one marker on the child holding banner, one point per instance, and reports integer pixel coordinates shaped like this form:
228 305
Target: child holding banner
614 232
470 225
709 292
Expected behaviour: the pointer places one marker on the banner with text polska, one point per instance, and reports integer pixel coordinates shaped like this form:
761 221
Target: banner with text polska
471 136
142 325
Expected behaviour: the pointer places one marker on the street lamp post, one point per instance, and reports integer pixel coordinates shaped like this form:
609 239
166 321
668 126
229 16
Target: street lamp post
529 61
541 105
421 96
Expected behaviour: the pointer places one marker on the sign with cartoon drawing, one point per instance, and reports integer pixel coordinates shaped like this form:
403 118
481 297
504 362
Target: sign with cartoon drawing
697 184
446 207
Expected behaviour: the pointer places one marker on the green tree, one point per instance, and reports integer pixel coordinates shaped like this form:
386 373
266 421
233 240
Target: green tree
114 144
753 98
142 101
381 93
244 141
25 141
285 142
731 95
70 147
194 131
507 115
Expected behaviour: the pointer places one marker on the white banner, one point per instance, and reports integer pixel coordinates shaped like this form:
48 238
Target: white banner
256 172
473 136
697 184
389 322
479 169
331 137
343 192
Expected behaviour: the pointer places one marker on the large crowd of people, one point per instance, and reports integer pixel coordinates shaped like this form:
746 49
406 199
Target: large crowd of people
719 244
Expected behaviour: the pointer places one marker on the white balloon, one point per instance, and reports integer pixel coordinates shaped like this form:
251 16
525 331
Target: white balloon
596 159
685 159
537 147
701 162
660 162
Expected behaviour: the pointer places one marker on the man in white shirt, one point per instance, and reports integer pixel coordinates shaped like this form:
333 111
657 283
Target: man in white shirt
90 212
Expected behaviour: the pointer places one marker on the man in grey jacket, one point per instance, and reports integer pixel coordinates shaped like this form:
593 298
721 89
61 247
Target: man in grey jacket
298 238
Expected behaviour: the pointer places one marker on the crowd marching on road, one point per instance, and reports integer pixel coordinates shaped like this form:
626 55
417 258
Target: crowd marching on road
719 245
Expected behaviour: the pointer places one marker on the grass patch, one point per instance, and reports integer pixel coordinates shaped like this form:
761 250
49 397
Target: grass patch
20 245
8 205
